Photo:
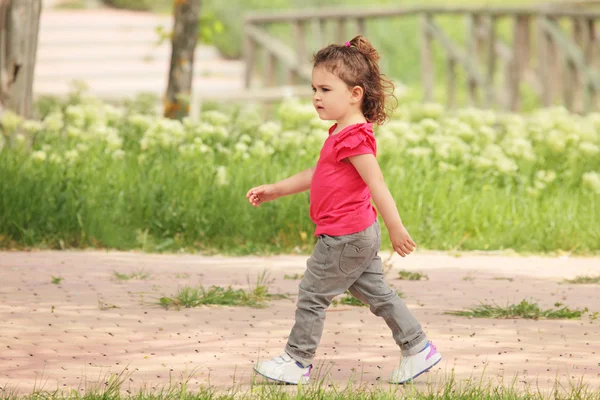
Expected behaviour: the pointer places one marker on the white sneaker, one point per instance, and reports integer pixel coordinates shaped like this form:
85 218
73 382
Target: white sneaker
413 366
283 369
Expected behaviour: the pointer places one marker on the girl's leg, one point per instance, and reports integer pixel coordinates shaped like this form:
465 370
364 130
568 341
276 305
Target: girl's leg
335 264
371 289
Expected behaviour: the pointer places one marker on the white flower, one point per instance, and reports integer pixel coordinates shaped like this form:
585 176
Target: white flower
75 115
446 167
54 121
480 162
139 121
215 118
82 148
591 180
112 113
55 158
519 148
32 127
71 156
241 147
10 122
487 134
222 176
506 165
556 141
245 139
261 150
589 149
430 126
269 130
294 114
545 176
74 132
114 142
118 154
38 156
420 152
20 139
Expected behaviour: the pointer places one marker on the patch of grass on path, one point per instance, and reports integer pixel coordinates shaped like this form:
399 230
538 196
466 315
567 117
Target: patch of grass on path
524 310
189 296
583 280
349 300
141 275
412 276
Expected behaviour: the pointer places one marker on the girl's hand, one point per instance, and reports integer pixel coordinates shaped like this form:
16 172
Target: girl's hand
261 194
401 241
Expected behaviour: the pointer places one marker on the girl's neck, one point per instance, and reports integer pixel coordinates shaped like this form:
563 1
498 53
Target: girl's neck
352 119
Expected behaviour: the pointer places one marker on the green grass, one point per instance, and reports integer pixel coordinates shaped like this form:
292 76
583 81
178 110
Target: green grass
583 280
141 275
524 310
502 278
109 204
161 199
293 277
189 296
348 300
447 388
412 276
57 280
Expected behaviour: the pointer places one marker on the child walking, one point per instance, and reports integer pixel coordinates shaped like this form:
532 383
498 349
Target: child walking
349 90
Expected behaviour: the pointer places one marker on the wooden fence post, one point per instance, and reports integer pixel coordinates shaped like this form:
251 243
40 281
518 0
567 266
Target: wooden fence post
427 78
451 79
520 56
249 59
491 66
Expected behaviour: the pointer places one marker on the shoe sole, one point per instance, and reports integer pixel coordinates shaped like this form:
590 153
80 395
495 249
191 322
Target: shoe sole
417 375
279 380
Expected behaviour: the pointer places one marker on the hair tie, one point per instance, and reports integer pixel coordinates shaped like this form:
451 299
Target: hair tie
347 44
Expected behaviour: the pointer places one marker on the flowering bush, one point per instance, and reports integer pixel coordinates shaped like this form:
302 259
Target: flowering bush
148 173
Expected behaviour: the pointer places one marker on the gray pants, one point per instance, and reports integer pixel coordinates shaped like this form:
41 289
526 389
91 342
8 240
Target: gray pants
341 263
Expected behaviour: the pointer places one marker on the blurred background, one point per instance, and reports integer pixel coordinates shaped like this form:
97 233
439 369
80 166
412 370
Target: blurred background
121 48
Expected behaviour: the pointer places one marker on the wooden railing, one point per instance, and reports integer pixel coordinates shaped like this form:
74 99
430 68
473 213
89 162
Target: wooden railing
552 48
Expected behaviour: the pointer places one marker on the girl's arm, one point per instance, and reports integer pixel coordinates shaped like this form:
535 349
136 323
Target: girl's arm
368 168
294 184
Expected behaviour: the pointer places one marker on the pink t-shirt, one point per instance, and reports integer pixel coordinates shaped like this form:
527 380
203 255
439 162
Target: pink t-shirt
340 201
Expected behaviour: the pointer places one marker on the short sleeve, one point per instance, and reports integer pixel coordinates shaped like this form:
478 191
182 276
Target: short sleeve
354 142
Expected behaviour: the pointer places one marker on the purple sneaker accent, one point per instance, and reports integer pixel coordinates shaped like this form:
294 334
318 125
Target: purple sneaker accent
432 351
309 369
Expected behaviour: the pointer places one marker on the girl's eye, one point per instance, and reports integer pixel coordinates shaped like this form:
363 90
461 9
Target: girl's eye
325 90
314 90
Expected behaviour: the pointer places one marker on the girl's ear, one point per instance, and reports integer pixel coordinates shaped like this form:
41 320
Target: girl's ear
356 94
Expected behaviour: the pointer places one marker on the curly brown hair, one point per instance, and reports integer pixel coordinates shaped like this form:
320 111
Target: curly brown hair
357 65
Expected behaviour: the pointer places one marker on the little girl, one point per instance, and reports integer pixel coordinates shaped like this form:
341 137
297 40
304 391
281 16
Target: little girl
349 89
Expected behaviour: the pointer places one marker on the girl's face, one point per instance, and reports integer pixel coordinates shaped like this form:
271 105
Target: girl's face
332 98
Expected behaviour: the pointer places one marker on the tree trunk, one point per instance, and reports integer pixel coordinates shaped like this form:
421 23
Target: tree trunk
181 71
19 26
